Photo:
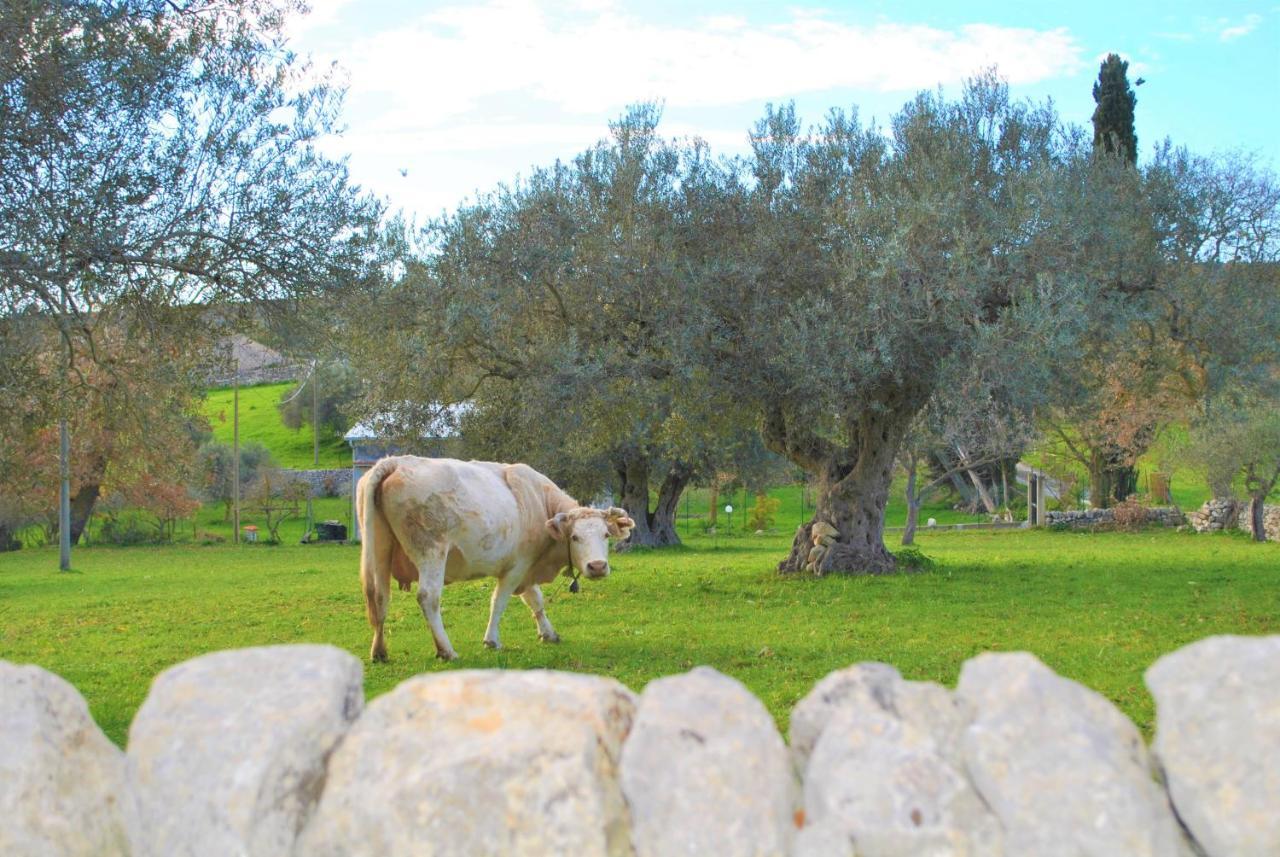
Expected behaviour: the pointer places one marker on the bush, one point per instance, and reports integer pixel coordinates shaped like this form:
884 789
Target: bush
338 388
1132 514
760 516
216 466
278 497
911 559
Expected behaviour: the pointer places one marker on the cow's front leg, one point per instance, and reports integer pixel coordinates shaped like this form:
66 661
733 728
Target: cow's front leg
533 597
501 595
430 589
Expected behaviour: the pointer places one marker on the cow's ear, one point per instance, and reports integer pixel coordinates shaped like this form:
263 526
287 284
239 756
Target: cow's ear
620 528
558 527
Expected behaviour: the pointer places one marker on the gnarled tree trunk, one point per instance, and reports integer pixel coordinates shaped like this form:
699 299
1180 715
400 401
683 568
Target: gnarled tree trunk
82 503
852 483
656 528
1257 521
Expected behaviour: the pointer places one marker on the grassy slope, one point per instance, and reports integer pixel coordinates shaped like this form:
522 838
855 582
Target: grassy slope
1097 608
260 421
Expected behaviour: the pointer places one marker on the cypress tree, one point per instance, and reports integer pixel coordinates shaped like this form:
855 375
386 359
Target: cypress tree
1113 117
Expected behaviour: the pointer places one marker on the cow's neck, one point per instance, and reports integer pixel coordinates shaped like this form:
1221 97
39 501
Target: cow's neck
553 557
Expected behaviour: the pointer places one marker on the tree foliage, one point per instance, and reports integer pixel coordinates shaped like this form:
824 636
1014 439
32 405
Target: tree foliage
156 157
1191 311
1239 443
137 421
1113 130
564 308
336 388
880 262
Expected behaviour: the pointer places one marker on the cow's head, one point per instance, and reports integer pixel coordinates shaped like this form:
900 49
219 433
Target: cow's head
587 532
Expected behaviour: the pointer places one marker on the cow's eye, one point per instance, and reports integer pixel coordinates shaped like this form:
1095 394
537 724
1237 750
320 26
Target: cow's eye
577 538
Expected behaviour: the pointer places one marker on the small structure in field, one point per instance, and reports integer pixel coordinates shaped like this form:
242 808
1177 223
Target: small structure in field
389 433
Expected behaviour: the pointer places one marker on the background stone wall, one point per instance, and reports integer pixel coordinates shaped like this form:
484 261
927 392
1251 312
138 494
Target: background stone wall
1164 516
273 751
325 483
1217 515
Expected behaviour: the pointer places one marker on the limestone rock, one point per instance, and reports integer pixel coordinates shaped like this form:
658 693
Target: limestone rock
63 784
1064 771
228 751
822 530
881 769
478 762
705 771
1218 741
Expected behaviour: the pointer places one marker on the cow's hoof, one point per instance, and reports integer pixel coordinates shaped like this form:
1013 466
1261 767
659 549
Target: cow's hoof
379 657
446 654
553 637
492 644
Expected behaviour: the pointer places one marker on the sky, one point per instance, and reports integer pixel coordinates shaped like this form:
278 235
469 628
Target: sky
449 98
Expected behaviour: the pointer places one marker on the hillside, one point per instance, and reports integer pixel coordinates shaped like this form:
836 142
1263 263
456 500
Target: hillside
260 421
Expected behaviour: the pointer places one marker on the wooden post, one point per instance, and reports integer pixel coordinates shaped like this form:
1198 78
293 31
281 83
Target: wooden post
64 453
355 517
235 454
315 447
1042 502
64 496
1031 498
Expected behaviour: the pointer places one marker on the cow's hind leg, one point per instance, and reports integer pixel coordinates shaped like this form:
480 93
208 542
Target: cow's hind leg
430 589
533 597
375 574
498 603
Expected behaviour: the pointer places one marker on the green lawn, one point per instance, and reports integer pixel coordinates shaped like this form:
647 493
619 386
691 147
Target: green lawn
260 421
1098 608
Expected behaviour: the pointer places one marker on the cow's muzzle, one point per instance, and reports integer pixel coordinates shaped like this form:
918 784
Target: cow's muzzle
597 569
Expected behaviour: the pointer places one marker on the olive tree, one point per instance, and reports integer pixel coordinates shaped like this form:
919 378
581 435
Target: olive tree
161 155
1241 443
878 260
1191 310
564 310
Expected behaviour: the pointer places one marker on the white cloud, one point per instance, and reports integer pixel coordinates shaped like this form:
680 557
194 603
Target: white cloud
466 95
1228 31
601 57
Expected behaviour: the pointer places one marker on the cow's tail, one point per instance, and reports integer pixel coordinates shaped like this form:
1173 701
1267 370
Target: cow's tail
377 542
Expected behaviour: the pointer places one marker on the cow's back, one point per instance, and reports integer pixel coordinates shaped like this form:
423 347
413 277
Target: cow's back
462 508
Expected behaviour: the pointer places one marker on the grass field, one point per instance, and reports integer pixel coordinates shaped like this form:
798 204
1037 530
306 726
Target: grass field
1098 608
260 421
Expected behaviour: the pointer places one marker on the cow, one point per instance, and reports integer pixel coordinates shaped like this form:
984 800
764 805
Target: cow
439 520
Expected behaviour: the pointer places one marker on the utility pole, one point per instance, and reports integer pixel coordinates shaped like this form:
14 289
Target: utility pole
64 454
315 440
235 449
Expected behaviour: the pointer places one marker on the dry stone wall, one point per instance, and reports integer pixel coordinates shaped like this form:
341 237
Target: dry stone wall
334 482
1081 519
271 751
1225 514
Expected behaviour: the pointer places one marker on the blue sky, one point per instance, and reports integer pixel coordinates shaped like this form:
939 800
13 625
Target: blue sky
447 98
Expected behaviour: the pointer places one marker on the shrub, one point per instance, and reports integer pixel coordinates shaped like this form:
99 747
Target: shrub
278 497
1131 514
760 516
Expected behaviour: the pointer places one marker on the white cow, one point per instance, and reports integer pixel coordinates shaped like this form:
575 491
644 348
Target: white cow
437 520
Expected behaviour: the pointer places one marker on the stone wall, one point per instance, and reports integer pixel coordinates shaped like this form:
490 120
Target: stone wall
273 751
325 483
1082 519
1226 514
